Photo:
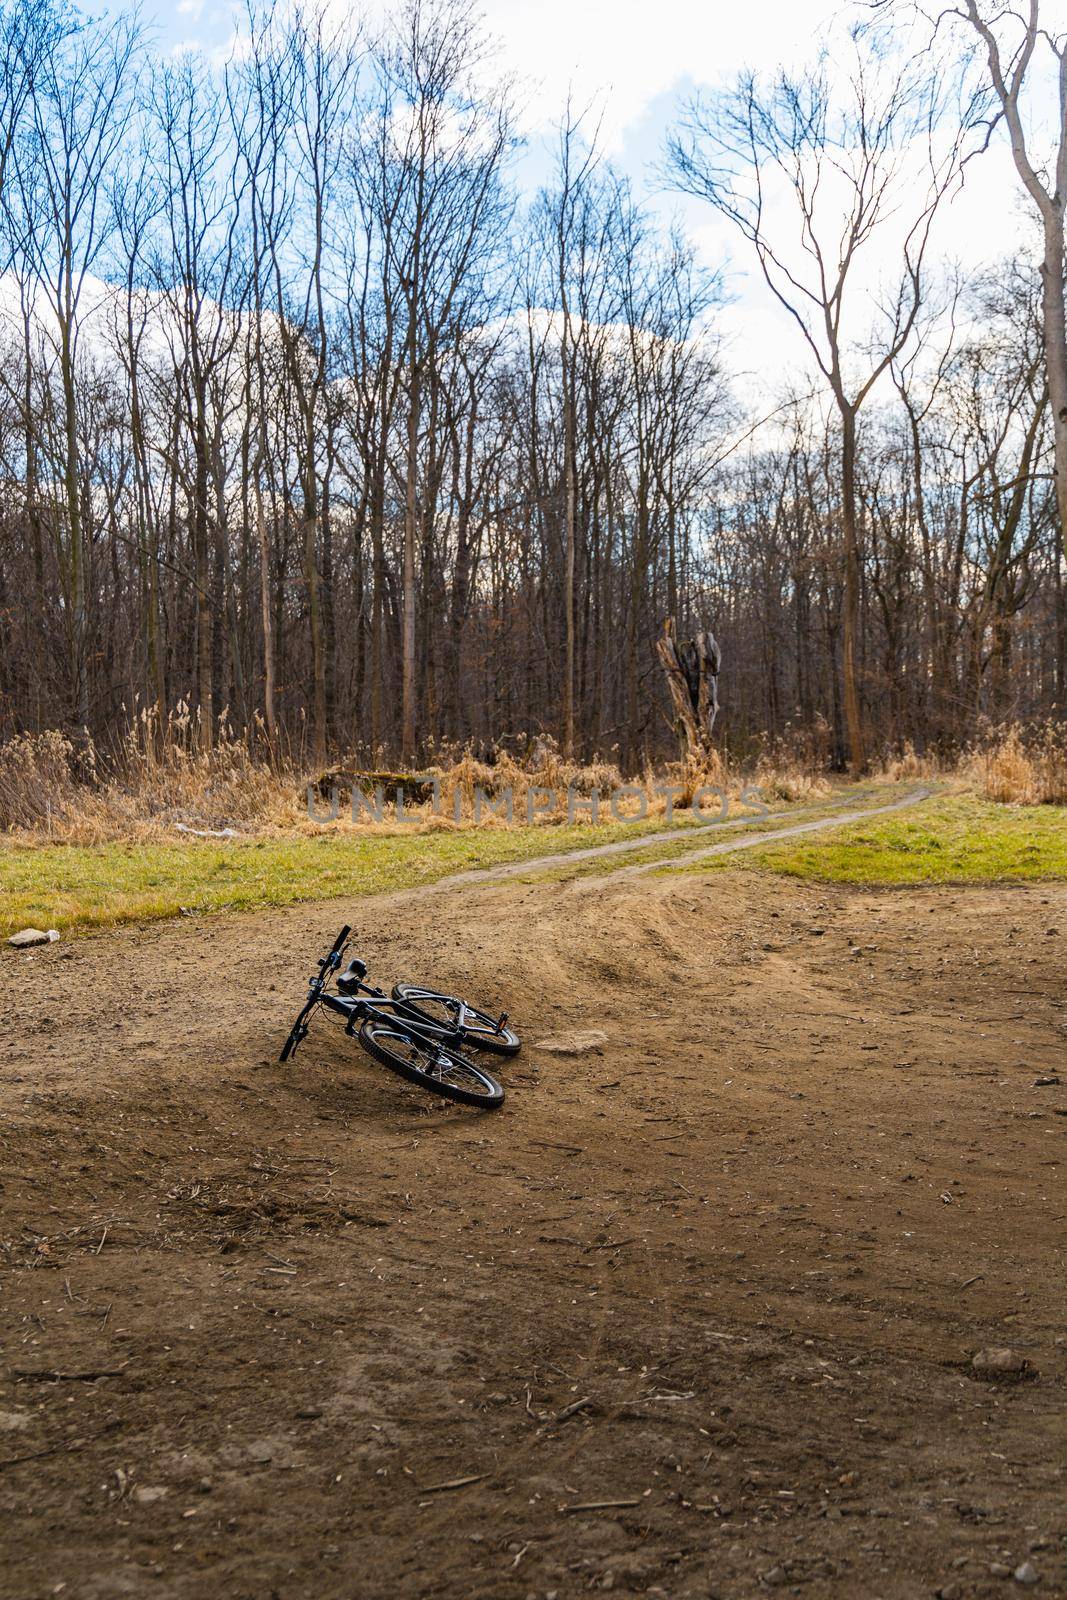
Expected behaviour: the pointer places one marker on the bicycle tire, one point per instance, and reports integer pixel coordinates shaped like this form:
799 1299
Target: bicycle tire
402 1053
414 996
298 1032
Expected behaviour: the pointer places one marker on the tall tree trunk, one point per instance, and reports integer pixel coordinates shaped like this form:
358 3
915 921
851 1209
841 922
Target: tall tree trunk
407 737
269 709
205 665
1055 337
72 487
850 620
311 578
570 520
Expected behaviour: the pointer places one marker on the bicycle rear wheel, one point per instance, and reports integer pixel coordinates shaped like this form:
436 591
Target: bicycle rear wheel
431 1066
443 1011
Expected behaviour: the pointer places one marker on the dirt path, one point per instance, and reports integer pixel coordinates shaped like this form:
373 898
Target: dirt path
259 1322
620 847
839 819
830 815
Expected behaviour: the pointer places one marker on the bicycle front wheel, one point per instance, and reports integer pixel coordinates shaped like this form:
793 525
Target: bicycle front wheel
298 1031
430 1065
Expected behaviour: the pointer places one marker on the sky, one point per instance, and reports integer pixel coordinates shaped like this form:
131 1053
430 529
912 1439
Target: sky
634 62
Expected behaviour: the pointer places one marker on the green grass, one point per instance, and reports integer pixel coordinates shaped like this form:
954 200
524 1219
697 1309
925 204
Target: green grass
73 887
947 839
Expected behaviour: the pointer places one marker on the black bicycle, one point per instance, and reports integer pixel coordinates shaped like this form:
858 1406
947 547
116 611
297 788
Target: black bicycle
419 1033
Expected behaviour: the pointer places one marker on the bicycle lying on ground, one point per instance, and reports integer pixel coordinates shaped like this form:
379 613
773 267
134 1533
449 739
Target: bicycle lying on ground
419 1033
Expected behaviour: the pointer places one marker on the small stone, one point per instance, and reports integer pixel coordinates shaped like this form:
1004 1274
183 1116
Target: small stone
997 1569
1046 1083
28 937
148 1494
1025 1574
309 1413
573 1044
996 1362
949 1591
775 1577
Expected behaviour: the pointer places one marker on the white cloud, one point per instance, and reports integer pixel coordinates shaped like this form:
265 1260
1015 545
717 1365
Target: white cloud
623 54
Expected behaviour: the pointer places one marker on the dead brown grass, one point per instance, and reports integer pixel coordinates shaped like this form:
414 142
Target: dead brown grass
1021 766
157 780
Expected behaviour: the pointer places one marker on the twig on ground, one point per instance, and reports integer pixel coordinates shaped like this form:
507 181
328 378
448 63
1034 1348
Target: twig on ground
602 1505
573 1409
66 1445
452 1483
51 1375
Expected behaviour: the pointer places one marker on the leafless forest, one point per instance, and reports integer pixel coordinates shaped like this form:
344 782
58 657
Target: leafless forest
316 422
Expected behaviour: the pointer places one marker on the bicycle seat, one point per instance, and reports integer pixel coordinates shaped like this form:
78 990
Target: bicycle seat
349 980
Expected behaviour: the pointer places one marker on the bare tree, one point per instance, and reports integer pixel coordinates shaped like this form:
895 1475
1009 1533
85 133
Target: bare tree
61 223
839 155
194 268
1013 41
448 146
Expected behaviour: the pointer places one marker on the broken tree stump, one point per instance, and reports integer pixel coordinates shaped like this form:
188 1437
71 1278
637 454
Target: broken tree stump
692 671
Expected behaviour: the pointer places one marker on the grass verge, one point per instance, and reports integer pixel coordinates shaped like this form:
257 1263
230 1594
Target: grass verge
951 839
81 887
948 839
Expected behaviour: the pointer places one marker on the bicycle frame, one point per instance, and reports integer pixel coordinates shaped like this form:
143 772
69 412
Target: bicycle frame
377 1003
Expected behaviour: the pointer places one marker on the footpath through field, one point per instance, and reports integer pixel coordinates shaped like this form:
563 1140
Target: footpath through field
830 815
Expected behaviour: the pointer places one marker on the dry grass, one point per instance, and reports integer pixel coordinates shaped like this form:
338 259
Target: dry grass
1013 764
1022 767
54 790
910 765
157 781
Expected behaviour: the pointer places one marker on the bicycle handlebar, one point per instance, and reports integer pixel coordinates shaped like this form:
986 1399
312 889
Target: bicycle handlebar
332 959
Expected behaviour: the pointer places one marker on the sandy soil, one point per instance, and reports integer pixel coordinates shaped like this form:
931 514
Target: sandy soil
259 1321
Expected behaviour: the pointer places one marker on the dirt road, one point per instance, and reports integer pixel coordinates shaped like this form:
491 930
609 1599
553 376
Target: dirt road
693 1316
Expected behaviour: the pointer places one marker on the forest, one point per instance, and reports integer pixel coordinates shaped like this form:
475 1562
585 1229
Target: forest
319 428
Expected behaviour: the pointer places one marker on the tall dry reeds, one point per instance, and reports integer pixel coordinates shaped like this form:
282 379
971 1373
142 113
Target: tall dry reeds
156 779
1024 766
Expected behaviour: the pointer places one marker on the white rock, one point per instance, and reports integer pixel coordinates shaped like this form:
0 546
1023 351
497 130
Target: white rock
1025 1574
149 1494
28 937
573 1044
997 1360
